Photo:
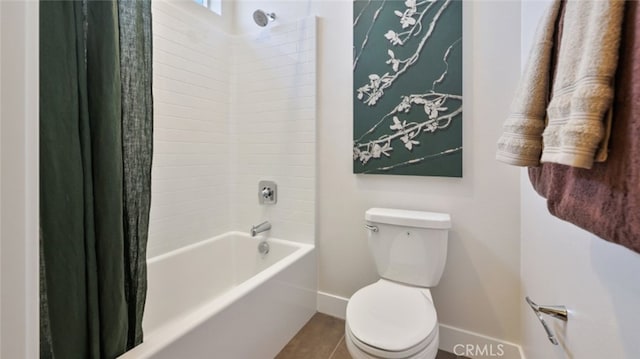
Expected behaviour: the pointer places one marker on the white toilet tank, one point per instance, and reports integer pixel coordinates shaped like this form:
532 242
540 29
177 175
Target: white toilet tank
408 246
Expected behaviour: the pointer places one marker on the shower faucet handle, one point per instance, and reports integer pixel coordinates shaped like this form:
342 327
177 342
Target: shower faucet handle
267 192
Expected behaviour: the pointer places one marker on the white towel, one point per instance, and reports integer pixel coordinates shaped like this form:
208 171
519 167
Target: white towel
576 123
521 142
579 112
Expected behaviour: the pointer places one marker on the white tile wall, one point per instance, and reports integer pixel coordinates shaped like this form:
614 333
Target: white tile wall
191 132
230 111
274 134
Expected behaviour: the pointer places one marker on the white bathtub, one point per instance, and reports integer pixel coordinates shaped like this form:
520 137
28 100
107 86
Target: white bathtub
221 299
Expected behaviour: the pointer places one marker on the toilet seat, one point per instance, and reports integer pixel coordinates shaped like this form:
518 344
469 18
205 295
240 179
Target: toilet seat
427 349
391 320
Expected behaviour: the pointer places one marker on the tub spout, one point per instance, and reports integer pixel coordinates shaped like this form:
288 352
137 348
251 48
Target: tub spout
262 227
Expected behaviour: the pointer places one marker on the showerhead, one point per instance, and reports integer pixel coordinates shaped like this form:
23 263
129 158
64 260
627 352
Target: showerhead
263 18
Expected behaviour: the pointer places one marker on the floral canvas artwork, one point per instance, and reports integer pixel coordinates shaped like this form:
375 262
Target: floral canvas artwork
407 73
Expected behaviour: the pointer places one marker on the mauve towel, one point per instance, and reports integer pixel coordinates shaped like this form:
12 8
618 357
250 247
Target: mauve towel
605 200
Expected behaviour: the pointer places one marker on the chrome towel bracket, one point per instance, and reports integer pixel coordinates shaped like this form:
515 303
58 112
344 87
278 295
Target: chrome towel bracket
556 311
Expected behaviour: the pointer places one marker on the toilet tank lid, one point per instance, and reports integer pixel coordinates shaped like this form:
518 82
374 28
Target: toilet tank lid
403 217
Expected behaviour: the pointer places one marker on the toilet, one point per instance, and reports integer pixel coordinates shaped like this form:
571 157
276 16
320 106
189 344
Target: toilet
395 316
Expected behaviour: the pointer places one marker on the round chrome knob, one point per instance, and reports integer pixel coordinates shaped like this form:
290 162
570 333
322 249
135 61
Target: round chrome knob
267 193
263 247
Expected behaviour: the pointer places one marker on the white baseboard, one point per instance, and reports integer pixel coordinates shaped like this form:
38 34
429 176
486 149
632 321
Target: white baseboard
454 340
332 305
477 346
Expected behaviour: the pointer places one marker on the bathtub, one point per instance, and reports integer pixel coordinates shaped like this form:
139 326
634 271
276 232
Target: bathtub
221 299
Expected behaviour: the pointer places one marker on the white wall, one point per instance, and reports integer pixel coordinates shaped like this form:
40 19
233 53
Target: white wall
191 160
565 265
19 188
480 288
1 179
597 281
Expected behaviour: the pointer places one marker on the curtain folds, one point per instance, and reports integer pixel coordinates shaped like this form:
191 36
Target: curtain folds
137 150
95 163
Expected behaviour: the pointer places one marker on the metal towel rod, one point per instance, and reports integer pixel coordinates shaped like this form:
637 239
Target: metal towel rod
556 311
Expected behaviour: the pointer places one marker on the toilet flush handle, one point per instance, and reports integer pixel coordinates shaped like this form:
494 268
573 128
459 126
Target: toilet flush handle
370 227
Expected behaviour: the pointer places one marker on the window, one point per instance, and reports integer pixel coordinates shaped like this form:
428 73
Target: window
213 5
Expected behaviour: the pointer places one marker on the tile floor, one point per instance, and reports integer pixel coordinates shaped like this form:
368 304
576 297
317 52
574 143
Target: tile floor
323 338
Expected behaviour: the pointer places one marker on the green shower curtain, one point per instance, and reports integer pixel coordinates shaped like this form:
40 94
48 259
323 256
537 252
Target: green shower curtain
95 169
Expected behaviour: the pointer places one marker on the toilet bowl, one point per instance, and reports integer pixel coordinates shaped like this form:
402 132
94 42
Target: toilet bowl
391 320
395 318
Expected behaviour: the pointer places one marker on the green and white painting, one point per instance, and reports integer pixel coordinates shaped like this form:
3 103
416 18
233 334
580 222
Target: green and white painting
407 73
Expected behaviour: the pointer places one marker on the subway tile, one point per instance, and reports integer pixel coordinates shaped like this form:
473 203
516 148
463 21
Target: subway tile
230 110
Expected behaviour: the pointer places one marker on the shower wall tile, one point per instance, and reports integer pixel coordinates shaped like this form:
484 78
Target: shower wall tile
191 163
273 87
229 112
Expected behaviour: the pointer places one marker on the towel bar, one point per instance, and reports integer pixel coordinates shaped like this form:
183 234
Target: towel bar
556 311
